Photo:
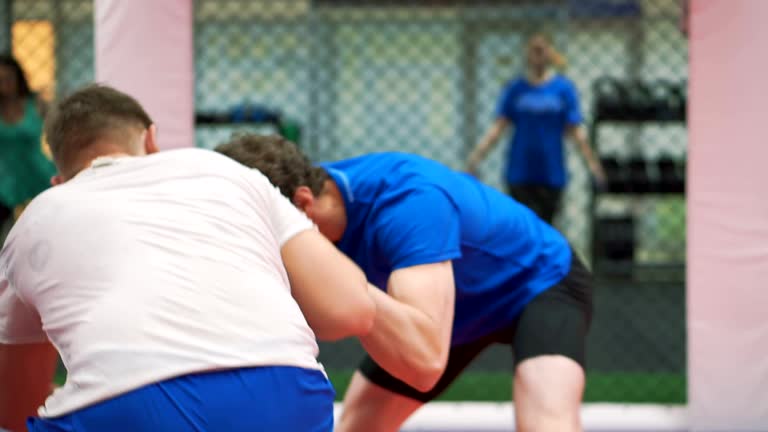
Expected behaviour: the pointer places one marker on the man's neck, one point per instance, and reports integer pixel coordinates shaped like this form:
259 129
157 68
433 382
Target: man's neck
107 158
93 158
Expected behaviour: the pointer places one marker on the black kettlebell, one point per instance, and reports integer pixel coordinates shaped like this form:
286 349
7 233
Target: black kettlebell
609 97
668 177
614 173
638 175
663 99
639 101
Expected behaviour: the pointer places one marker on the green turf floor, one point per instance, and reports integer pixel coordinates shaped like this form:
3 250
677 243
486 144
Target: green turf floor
601 387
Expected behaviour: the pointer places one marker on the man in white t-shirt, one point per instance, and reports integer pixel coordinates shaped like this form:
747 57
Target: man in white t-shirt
162 280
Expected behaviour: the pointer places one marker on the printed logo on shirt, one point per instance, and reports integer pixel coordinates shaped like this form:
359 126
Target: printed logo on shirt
39 255
539 103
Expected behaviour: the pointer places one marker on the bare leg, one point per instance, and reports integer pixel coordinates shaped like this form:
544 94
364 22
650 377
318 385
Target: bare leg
547 394
370 408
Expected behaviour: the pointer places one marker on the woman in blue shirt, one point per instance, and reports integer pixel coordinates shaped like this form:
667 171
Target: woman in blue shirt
543 106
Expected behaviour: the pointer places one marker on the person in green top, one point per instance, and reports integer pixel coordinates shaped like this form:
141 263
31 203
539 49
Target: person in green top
25 171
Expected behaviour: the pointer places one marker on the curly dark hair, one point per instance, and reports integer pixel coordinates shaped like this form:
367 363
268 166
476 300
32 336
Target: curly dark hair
278 159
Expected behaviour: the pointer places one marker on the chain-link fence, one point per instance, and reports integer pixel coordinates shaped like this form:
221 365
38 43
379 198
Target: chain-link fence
346 77
424 77
52 39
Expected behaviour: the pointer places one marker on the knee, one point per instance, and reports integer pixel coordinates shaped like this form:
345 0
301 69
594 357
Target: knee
547 394
355 420
372 409
548 424
551 375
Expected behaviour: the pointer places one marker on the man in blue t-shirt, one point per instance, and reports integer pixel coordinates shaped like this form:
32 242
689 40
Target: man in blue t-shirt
454 267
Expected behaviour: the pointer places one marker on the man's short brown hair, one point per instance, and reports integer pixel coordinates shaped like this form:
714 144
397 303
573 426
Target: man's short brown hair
92 113
278 159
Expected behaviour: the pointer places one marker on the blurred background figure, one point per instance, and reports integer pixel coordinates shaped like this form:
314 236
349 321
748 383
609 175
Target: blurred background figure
26 171
543 106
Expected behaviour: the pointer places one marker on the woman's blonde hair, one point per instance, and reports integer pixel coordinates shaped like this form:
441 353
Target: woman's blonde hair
556 58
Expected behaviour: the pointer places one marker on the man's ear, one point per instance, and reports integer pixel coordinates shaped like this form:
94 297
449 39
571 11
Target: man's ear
303 198
57 180
150 140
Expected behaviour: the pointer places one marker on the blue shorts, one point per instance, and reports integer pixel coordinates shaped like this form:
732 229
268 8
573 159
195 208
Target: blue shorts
253 399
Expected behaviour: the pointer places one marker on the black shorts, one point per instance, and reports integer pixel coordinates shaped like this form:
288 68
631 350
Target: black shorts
555 322
543 200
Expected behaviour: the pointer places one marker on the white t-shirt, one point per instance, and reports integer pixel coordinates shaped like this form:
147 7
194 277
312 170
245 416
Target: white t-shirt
142 269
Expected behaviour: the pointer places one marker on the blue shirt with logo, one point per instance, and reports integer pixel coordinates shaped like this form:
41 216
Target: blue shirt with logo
404 210
540 115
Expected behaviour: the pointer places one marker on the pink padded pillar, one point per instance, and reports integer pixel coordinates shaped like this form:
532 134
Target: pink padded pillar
144 48
728 216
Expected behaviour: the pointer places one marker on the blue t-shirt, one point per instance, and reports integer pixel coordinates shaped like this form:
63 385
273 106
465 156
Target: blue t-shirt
540 114
404 210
